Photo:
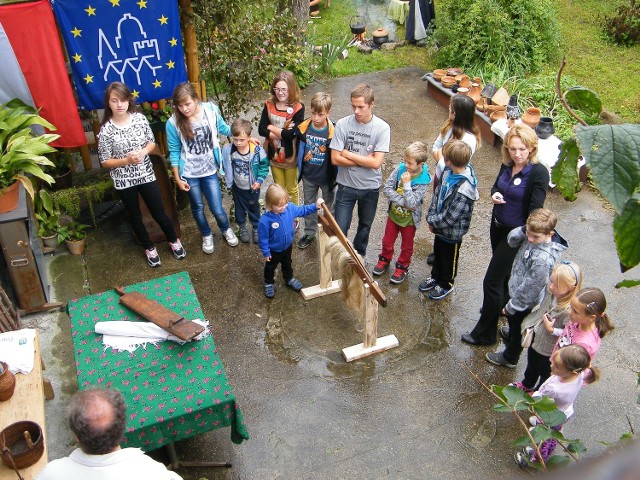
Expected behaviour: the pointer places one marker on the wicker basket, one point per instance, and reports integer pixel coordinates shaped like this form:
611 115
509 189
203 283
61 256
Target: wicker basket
7 383
14 451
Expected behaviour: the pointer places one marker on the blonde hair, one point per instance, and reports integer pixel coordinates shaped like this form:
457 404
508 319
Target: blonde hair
363 90
595 305
457 153
527 135
568 277
275 196
321 102
542 220
417 151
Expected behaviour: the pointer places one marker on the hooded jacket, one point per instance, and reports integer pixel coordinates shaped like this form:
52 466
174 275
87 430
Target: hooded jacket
303 148
531 269
412 192
259 164
275 230
178 145
450 216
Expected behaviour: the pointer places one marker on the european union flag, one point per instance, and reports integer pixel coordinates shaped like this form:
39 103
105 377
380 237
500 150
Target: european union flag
134 42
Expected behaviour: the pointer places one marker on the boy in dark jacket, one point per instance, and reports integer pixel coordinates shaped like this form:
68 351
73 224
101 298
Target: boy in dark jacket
245 166
314 161
449 217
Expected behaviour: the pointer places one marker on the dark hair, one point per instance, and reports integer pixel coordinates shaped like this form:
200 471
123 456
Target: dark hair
182 93
240 126
292 86
97 417
464 119
122 92
595 304
576 359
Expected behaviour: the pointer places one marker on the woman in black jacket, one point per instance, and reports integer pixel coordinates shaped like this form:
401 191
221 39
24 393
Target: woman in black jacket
520 188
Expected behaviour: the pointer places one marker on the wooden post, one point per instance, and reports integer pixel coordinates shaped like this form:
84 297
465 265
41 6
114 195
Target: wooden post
371 344
327 286
190 43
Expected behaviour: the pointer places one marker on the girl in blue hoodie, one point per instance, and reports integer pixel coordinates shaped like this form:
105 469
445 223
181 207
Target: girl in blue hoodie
275 236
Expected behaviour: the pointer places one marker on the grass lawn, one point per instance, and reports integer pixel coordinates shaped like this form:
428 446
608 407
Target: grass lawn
609 70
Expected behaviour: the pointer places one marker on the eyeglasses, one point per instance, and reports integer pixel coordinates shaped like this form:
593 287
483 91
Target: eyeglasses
281 90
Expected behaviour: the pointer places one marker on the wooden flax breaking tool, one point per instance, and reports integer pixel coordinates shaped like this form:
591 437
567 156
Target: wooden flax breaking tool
332 229
163 317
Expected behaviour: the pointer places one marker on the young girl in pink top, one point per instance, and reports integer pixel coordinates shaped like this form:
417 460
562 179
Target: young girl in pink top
588 322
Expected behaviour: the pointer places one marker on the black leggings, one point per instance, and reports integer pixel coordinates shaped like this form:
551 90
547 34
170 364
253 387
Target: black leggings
271 265
150 193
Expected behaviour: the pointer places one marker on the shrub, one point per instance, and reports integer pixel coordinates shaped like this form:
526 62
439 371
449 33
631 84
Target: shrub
623 28
242 45
500 37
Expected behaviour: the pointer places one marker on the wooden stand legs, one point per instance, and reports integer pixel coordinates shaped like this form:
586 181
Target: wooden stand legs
174 463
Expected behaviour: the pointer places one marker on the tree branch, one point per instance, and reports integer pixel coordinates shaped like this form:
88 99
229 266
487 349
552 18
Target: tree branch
561 96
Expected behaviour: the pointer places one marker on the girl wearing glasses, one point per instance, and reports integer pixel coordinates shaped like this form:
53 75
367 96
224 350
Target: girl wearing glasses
281 113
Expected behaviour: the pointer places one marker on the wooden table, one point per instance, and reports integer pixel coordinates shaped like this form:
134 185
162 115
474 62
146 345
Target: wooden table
27 403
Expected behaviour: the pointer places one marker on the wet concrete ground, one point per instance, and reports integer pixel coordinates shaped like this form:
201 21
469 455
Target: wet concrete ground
408 413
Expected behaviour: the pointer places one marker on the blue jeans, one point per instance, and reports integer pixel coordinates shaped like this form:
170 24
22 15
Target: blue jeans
367 200
210 188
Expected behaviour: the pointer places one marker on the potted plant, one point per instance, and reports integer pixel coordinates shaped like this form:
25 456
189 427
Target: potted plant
73 235
61 171
48 219
21 151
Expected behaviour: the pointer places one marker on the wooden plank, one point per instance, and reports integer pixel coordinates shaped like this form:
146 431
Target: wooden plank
358 351
369 313
27 403
331 227
317 291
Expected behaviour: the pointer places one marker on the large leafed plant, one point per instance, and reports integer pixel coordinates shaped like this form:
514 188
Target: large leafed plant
22 152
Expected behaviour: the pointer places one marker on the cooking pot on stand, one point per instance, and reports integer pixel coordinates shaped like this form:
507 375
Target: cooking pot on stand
380 36
357 25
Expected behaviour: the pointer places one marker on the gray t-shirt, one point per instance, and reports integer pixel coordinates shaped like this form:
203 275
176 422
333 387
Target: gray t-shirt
363 139
241 165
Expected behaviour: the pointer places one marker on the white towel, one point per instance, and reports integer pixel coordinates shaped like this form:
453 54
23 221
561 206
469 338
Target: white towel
17 349
123 335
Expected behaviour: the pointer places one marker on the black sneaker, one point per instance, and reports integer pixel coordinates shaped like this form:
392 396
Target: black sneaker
498 359
381 266
177 249
428 284
243 233
305 241
153 259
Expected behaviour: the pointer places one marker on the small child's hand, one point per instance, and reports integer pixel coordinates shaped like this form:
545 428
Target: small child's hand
266 259
256 186
319 202
405 177
431 229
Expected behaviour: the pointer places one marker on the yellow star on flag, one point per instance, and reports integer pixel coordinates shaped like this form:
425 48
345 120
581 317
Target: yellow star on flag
163 20
77 58
157 83
170 64
135 94
76 32
142 4
173 42
114 3
88 78
90 11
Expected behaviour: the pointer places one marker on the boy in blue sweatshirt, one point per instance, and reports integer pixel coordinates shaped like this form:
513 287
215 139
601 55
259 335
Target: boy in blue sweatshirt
275 236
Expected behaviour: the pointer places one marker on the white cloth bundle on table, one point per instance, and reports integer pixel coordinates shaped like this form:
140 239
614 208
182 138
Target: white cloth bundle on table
123 335
17 349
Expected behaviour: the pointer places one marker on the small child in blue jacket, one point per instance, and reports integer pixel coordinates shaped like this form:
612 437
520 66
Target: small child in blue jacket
275 236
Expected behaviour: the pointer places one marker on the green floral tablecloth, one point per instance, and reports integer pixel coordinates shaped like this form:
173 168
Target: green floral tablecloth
172 391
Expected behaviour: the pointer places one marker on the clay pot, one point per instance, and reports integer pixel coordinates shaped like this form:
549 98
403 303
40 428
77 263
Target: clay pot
498 114
489 90
477 80
454 88
481 105
463 81
474 92
453 71
513 110
532 116
448 81
438 73
463 90
490 109
380 36
9 197
7 382
545 129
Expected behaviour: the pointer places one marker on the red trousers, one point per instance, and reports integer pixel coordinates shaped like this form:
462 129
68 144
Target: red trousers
407 234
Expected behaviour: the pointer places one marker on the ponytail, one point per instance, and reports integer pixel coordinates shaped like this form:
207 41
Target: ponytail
595 304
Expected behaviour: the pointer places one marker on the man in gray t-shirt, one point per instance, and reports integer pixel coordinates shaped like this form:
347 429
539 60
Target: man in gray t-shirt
357 148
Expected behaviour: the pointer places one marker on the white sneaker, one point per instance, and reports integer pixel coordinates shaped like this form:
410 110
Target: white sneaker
207 244
230 237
